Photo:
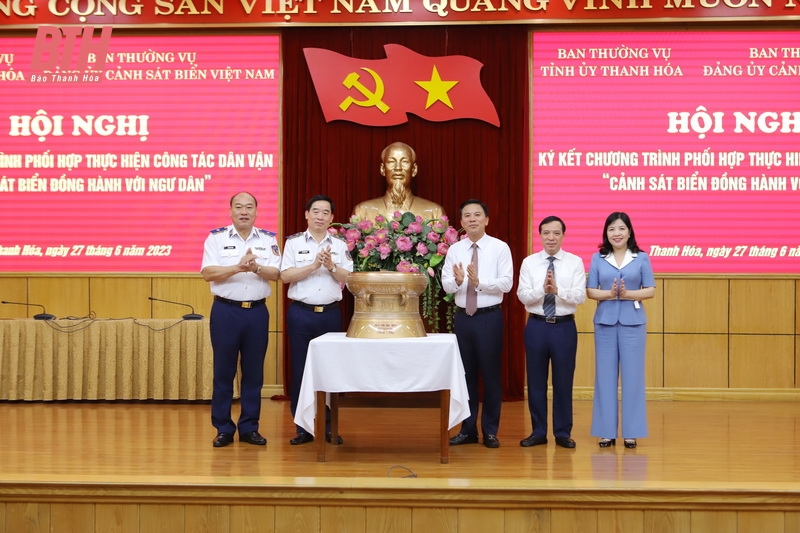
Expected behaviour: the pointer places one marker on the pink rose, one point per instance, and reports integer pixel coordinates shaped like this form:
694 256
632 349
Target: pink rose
404 266
398 215
451 235
351 245
414 228
364 225
395 225
442 248
414 268
431 273
385 250
418 218
382 235
371 240
422 249
333 231
432 237
444 219
379 219
352 235
364 252
404 244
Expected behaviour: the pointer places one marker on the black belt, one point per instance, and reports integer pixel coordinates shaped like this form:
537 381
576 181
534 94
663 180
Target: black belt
555 319
237 303
480 310
317 308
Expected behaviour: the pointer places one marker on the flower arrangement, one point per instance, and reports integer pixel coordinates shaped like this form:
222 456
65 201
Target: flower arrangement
404 243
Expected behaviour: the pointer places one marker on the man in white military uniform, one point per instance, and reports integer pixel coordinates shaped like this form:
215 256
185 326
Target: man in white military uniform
315 265
239 261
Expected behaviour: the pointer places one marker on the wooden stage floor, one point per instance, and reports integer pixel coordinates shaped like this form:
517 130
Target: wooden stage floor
719 456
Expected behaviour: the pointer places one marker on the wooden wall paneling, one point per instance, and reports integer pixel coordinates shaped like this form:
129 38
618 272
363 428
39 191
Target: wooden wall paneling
797 361
654 308
584 316
28 517
654 361
667 521
207 518
297 519
72 517
759 521
796 308
696 360
714 521
343 520
61 296
190 290
617 520
695 306
273 364
762 361
480 520
116 517
764 306
584 361
388 520
527 521
15 290
3 518
434 519
119 297
791 522
161 517
574 520
252 519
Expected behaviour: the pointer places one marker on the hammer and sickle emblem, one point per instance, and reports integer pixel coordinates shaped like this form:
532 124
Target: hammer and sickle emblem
372 98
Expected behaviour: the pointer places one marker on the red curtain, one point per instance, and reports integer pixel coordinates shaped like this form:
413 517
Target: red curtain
457 160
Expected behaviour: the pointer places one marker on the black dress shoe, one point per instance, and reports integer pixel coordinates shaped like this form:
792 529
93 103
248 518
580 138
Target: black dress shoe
532 440
490 441
630 443
565 442
339 439
253 437
222 439
605 443
463 439
301 438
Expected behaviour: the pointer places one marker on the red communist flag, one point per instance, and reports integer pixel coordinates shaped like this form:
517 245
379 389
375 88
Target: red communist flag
381 92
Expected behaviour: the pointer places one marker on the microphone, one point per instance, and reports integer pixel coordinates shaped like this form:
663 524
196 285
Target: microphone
44 315
188 316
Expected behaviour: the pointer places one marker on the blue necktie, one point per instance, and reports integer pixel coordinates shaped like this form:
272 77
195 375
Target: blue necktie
550 298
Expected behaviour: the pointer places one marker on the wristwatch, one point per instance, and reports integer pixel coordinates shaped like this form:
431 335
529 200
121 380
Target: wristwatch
258 270
333 270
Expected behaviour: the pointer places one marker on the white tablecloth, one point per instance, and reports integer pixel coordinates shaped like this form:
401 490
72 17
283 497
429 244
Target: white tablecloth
337 363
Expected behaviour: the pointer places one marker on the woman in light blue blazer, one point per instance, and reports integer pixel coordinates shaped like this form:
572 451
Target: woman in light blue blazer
620 277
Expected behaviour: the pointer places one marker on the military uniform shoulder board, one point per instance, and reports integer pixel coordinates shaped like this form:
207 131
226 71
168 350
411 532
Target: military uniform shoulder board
266 232
298 234
339 236
219 230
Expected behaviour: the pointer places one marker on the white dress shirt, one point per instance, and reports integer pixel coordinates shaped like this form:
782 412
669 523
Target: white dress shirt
570 277
225 247
320 287
495 270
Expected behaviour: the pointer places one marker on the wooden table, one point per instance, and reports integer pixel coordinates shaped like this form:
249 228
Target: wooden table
411 372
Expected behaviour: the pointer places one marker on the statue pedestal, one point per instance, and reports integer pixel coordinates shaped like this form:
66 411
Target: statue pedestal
386 305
